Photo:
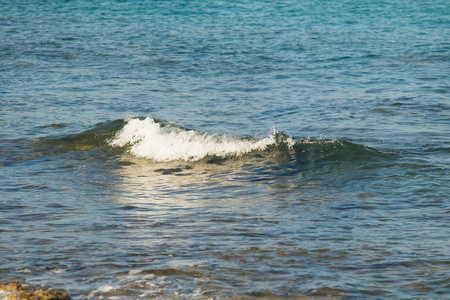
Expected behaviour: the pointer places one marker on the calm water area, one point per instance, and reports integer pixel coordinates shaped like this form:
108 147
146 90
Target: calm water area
291 149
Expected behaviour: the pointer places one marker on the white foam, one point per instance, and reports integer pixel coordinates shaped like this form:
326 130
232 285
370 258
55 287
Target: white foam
4 293
26 270
104 289
134 272
148 139
57 271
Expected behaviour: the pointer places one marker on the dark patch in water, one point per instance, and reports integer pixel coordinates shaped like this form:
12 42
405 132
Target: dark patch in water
125 163
169 171
216 161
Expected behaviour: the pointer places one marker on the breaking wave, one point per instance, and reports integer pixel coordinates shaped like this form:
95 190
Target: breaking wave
162 142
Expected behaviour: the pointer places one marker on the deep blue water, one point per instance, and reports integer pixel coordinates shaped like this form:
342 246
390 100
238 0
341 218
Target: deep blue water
226 149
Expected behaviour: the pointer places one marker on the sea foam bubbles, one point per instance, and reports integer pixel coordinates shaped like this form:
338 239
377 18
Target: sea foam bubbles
163 143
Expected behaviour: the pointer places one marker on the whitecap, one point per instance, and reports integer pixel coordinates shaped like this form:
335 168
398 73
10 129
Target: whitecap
148 139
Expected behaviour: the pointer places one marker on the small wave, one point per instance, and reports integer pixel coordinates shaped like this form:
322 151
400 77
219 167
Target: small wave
163 142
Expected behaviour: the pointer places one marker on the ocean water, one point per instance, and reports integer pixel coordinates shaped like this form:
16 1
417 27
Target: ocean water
226 149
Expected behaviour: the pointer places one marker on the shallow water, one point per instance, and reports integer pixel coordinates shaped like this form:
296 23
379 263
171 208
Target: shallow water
226 150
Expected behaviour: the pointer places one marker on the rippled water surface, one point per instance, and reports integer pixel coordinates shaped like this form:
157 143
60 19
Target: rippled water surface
226 149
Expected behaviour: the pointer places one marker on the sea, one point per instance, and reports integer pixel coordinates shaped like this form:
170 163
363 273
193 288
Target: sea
226 149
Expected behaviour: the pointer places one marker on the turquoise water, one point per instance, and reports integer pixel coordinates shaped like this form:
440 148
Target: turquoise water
226 149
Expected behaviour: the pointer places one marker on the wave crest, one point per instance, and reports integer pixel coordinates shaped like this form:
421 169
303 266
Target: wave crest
160 142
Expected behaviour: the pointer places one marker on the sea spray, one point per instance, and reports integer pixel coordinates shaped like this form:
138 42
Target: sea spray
149 139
